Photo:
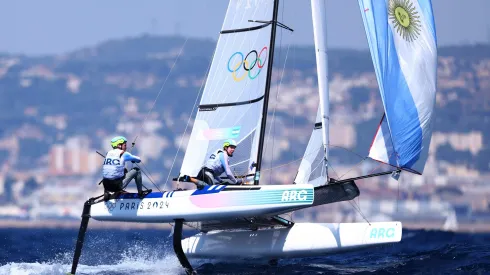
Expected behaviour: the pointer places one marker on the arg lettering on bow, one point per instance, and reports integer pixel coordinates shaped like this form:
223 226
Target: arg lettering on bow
252 64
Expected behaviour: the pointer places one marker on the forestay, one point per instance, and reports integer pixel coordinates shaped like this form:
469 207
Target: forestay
232 100
402 41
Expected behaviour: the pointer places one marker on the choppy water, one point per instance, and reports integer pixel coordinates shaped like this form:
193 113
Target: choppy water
50 251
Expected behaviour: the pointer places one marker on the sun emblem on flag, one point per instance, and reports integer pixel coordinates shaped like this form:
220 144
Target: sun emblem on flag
405 19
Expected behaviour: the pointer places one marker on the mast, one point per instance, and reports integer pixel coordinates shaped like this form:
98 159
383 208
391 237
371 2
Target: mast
318 12
266 94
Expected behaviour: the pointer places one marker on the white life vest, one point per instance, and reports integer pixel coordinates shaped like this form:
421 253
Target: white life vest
114 164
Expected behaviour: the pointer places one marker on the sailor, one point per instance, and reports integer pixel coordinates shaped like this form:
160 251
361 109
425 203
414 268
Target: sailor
116 176
218 163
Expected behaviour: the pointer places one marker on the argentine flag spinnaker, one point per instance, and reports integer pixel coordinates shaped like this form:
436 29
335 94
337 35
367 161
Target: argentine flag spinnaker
402 40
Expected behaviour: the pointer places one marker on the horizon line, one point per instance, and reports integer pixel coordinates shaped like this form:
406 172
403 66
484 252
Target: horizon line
143 35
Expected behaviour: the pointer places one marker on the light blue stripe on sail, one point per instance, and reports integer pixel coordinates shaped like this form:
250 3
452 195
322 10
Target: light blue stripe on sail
426 6
399 105
382 146
401 111
408 106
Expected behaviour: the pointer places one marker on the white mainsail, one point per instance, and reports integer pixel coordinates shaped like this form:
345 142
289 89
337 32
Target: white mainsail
232 102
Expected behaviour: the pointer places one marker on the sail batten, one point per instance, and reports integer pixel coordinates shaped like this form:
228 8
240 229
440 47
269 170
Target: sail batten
246 29
212 107
233 99
402 41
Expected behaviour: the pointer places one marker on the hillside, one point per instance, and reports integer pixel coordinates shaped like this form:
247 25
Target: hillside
88 95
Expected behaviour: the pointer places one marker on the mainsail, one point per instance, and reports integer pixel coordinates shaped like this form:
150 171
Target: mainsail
232 103
402 40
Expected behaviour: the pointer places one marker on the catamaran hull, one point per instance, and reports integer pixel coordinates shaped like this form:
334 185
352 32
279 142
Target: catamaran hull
217 202
300 240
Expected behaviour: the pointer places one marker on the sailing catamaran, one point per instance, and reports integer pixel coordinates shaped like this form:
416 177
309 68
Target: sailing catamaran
234 104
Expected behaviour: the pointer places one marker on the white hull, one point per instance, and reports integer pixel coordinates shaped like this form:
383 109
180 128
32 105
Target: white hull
217 202
301 240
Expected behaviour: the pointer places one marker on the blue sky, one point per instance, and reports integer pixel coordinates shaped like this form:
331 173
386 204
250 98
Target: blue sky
56 26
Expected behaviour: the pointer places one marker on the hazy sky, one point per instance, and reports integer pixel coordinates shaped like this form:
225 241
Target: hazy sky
57 26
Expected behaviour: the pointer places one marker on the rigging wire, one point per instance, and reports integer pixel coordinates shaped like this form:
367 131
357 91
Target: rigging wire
143 168
295 87
398 196
290 162
355 166
301 158
147 174
318 165
347 149
159 92
358 208
201 89
275 108
335 172
358 164
273 125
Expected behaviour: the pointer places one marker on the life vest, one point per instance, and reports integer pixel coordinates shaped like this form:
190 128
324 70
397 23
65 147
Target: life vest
114 164
214 163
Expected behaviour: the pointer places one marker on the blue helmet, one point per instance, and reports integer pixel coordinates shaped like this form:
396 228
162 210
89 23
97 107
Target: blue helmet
118 141
229 142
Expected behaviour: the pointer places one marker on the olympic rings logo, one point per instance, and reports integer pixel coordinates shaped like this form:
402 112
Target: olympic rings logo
248 63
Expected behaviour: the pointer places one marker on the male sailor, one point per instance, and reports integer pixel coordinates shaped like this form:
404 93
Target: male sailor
217 163
116 176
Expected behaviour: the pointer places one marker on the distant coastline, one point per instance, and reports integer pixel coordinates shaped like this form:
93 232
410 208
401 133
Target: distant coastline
65 110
